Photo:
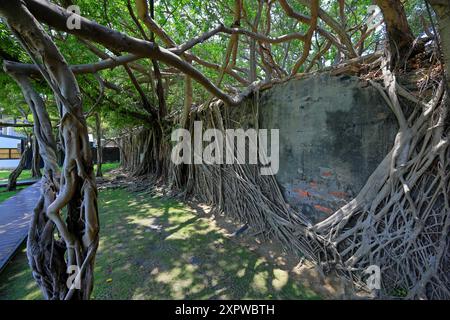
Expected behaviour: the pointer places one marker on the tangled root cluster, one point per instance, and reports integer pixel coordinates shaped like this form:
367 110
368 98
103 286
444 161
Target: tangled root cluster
398 222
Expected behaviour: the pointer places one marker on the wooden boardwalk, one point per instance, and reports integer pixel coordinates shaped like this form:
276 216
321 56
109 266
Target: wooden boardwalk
15 215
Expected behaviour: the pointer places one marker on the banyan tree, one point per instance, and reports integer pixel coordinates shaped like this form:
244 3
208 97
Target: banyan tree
399 220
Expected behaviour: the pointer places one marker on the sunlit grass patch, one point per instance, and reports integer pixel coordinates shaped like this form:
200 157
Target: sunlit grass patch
16 281
4 174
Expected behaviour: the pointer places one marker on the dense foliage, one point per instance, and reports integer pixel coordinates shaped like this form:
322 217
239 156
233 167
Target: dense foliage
184 20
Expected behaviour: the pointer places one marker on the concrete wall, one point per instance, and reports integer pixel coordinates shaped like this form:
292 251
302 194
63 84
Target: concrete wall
110 154
334 131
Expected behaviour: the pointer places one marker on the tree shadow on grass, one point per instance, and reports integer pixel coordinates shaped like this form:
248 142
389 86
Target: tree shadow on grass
158 249
153 248
16 282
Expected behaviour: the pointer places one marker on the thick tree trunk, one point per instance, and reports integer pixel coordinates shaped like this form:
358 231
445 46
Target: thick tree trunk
399 33
98 134
74 253
36 159
12 179
43 250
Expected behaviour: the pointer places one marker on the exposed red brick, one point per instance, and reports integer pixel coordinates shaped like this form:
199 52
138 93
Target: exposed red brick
323 209
327 174
302 193
339 194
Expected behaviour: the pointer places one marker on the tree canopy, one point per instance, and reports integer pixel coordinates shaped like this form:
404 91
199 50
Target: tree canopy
260 40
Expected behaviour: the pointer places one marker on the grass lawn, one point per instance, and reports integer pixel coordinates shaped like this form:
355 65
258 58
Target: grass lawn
26 174
106 167
4 174
153 248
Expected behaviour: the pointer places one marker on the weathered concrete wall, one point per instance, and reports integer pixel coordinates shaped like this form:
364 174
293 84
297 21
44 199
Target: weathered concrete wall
334 131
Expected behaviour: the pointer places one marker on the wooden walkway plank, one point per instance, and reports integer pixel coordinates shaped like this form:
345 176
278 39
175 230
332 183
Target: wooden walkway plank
15 215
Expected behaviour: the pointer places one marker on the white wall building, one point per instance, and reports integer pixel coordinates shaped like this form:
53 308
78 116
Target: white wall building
10 151
10 144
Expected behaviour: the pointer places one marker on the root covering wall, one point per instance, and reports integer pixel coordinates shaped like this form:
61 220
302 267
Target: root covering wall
334 131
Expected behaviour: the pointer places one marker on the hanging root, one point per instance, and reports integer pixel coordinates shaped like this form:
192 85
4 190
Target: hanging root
242 193
400 220
45 253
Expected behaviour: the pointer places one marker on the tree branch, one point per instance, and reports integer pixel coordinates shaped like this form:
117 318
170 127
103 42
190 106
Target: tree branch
56 17
15 125
32 69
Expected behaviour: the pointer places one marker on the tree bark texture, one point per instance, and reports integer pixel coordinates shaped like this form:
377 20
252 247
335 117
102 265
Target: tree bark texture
74 195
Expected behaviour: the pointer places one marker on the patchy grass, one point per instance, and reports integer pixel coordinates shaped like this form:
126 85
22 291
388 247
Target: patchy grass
107 167
25 175
153 248
16 281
